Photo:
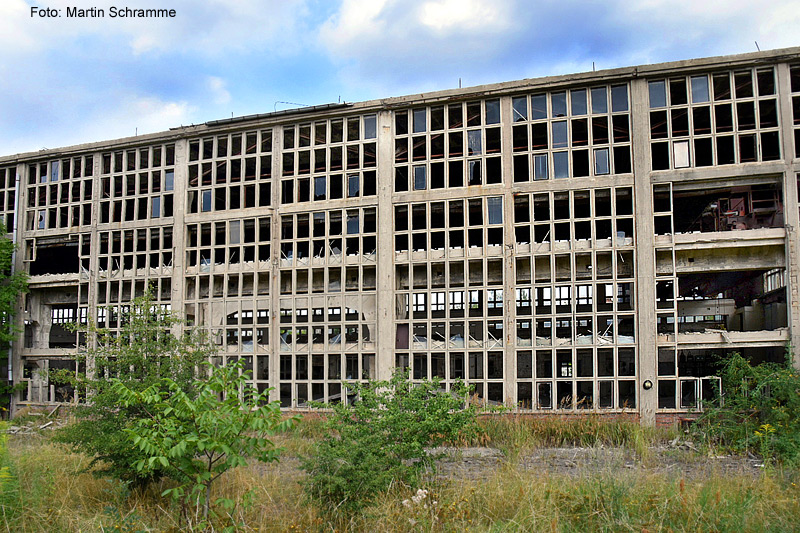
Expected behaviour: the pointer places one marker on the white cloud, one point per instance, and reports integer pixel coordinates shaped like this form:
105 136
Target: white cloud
148 114
392 44
207 27
415 44
460 15
219 94
13 35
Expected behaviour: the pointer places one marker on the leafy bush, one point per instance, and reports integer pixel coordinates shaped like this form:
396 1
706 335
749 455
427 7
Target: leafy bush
12 286
380 438
140 355
198 437
760 411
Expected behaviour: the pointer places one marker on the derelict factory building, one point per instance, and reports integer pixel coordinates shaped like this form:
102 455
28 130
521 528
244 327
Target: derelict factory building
561 243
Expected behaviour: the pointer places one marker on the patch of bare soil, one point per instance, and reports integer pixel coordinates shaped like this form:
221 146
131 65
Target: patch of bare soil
678 461
477 463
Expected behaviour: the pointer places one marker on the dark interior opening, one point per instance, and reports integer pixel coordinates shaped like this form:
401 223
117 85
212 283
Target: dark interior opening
56 258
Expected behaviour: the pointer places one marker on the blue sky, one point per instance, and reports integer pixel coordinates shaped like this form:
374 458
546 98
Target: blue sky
66 81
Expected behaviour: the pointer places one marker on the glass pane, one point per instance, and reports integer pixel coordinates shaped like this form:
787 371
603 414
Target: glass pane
540 167
700 89
601 161
474 142
420 117
561 165
352 185
559 134
578 98
658 94
619 98
520 107
599 100
538 106
370 129
492 111
495 208
419 178
681 154
559 101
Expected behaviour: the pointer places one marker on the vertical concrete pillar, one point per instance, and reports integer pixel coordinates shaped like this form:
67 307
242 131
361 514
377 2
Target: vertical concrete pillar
15 371
791 213
180 186
94 251
384 358
274 286
645 252
509 278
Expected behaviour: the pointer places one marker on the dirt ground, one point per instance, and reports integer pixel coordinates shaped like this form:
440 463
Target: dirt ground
678 459
476 463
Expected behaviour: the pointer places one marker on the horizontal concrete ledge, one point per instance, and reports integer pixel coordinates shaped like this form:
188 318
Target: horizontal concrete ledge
725 339
736 238
53 280
48 353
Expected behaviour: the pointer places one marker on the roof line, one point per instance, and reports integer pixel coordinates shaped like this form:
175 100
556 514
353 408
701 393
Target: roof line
285 112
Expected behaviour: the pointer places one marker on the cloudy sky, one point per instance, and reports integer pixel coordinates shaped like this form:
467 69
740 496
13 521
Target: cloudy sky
65 80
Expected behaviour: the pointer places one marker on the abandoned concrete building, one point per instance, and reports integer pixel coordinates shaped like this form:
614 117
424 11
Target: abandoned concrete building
588 242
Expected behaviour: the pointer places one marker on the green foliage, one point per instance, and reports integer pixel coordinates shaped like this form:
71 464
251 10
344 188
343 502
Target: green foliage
196 437
140 355
381 438
9 484
760 411
12 286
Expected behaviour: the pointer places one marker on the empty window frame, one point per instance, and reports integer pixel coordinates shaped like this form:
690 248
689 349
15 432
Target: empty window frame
575 133
714 119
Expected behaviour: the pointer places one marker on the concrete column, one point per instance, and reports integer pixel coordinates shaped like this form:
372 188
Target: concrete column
791 213
94 251
180 186
645 252
274 288
15 371
384 358
509 278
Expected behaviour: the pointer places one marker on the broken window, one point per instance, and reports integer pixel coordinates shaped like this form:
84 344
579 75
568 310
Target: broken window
519 107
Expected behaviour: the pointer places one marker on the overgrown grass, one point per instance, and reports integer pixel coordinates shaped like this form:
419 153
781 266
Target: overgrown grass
53 495
517 433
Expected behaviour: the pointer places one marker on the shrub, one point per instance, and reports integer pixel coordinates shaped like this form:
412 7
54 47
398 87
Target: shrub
142 353
760 411
198 437
380 438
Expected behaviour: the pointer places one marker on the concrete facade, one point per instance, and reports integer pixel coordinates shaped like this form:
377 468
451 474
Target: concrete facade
572 244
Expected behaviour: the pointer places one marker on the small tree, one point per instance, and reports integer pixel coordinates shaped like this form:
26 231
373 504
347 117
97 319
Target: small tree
201 435
760 411
141 354
381 438
12 285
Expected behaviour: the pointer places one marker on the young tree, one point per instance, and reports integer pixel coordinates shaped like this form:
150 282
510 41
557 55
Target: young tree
381 438
12 285
141 354
201 435
760 411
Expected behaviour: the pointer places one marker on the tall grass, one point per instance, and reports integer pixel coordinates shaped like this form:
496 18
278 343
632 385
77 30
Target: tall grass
54 495
516 433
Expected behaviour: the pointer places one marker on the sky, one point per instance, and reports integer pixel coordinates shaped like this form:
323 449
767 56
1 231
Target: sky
66 80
